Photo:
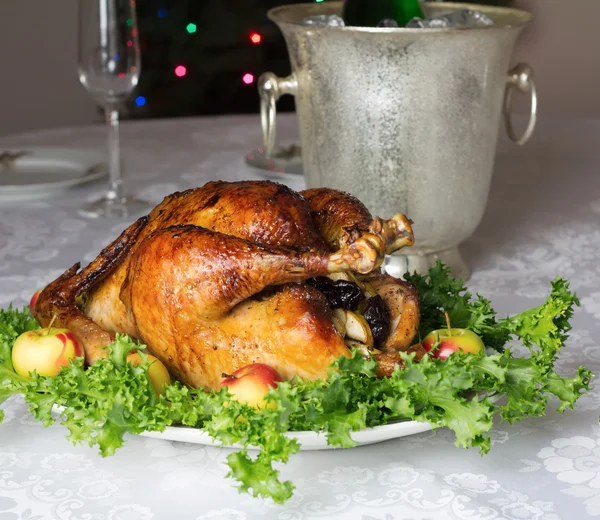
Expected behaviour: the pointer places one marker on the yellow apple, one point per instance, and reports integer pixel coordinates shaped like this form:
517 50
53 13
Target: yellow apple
158 373
45 350
249 384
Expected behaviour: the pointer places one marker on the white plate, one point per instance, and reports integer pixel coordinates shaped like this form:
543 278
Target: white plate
309 441
41 172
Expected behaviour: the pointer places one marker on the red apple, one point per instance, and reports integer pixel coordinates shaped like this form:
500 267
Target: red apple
249 384
453 340
45 350
159 375
34 300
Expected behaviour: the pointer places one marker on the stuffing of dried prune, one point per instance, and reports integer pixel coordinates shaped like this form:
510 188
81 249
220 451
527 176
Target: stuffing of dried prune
378 318
339 294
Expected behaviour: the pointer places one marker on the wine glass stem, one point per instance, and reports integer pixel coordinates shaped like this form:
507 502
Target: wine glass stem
114 156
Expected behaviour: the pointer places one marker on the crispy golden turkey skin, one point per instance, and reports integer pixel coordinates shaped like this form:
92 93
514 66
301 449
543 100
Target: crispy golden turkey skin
213 279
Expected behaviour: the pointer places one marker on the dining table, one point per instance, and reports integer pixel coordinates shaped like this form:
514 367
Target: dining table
542 221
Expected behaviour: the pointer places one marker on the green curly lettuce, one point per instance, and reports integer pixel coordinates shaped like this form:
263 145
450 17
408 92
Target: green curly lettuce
13 322
440 293
102 403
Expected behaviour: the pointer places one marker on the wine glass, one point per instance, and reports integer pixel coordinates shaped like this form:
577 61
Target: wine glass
109 68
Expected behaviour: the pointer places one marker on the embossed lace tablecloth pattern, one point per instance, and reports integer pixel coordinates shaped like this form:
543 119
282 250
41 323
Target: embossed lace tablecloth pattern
543 220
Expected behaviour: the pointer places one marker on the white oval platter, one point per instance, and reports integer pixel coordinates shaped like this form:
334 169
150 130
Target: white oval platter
309 441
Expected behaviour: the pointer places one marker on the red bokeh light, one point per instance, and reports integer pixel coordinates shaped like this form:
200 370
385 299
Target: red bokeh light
180 71
248 78
255 38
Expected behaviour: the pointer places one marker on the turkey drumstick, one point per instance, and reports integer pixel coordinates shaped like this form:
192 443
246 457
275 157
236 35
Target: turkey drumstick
341 218
214 272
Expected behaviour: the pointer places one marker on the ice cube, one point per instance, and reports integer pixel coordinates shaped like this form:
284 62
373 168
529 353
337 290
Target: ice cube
468 18
387 22
417 23
420 23
464 19
324 20
439 22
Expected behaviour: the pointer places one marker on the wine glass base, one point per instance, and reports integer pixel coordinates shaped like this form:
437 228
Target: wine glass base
108 207
401 262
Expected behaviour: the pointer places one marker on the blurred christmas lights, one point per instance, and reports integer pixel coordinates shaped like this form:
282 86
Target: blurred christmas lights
180 70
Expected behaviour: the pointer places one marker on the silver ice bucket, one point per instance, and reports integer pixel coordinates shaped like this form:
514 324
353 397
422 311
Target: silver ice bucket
405 119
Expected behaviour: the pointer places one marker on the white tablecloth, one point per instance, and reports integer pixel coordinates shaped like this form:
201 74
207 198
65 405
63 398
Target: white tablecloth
543 220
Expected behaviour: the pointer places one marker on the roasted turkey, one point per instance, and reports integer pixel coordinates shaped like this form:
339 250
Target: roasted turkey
215 278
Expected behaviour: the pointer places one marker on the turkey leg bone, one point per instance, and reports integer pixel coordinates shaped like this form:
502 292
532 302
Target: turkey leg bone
341 219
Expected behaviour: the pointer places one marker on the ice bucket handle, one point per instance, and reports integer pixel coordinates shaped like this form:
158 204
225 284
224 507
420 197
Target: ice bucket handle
520 77
270 89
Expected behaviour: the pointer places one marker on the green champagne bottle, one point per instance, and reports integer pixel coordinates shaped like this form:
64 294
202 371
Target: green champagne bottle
369 13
